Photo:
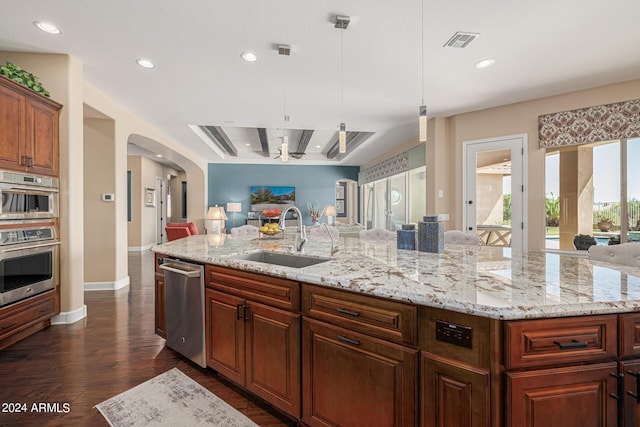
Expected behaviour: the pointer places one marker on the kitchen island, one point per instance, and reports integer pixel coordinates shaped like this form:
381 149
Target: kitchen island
483 335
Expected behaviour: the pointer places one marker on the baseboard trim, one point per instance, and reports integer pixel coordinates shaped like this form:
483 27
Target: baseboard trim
106 286
140 248
67 317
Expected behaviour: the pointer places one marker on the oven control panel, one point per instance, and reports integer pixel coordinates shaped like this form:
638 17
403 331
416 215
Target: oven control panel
20 235
7 177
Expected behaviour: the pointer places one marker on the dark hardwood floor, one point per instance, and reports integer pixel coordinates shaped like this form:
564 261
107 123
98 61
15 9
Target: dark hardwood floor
110 351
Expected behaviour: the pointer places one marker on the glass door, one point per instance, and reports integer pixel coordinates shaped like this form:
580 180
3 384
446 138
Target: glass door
493 196
397 201
387 204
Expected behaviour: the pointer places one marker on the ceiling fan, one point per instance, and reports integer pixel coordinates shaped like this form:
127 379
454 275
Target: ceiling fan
295 154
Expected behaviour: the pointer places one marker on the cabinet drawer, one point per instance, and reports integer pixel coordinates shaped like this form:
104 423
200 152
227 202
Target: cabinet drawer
565 340
629 335
26 313
390 320
274 291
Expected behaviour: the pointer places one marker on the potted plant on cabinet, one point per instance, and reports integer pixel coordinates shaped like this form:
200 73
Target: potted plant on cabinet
23 77
604 222
583 242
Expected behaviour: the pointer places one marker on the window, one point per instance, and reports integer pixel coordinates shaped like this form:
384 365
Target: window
184 199
593 189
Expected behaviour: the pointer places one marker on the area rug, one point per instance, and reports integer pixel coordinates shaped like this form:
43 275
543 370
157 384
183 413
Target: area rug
170 399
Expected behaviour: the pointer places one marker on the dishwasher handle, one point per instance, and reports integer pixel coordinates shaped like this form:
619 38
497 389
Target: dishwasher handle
174 268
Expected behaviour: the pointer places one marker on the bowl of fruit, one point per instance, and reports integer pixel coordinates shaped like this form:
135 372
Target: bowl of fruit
271 213
270 229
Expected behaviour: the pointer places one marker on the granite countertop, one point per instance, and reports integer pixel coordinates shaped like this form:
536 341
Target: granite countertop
498 283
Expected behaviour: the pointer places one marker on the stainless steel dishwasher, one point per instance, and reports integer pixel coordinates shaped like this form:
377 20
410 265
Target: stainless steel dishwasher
184 304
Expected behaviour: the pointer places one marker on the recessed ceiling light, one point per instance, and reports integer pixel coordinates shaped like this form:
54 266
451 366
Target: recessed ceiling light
318 146
145 63
484 63
249 56
159 155
47 27
247 144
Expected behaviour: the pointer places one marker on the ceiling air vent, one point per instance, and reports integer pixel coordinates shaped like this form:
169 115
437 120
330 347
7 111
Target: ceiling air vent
342 22
284 49
461 39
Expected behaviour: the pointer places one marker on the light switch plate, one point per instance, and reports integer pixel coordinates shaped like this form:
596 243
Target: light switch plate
108 197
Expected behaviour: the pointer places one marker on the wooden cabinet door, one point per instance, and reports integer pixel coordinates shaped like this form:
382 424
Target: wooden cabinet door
11 129
574 396
273 356
453 394
41 138
351 379
631 408
160 310
225 334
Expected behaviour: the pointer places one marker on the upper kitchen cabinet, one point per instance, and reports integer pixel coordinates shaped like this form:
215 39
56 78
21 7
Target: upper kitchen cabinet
28 130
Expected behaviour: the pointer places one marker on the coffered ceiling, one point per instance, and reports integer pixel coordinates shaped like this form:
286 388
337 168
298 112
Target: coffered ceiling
540 48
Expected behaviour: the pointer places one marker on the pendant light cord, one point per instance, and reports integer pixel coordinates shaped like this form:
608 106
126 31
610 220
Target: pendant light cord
284 98
342 76
422 49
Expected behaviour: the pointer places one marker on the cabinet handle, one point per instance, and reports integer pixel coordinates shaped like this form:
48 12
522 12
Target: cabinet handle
30 159
24 161
635 374
348 312
10 325
240 309
571 345
244 312
619 386
348 340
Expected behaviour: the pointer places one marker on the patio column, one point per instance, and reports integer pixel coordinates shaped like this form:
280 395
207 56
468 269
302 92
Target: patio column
576 194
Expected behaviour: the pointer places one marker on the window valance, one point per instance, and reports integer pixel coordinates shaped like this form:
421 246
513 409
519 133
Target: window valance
403 162
393 166
591 124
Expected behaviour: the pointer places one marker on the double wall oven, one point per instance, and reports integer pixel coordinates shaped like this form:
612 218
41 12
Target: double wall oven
29 247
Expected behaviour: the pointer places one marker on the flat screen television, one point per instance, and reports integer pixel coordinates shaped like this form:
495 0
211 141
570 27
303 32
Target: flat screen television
265 197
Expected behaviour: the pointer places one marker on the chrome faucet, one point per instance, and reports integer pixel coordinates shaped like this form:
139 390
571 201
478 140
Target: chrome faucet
334 246
301 237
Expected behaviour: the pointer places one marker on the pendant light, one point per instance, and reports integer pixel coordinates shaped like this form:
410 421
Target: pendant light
284 149
422 111
342 22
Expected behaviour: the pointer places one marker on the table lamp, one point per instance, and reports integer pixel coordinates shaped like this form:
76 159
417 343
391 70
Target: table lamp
234 207
216 218
330 212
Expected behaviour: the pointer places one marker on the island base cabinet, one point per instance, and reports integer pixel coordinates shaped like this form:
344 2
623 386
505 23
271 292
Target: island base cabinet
273 357
160 311
257 347
575 396
225 332
631 409
351 379
453 394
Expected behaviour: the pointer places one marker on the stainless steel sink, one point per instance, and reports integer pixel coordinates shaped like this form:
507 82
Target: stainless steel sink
283 259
